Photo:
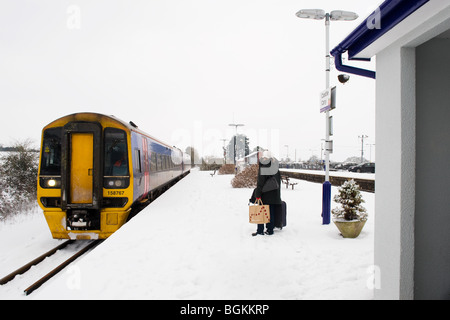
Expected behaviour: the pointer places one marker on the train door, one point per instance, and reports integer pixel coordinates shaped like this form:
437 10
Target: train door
81 167
82 175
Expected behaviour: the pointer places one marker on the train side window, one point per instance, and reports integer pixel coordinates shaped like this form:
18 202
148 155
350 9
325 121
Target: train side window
153 162
159 162
137 162
148 161
51 152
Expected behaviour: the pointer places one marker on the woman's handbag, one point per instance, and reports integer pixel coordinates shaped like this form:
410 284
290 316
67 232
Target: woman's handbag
271 184
259 213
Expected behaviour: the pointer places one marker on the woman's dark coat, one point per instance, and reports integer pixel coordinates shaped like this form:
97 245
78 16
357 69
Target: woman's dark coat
270 197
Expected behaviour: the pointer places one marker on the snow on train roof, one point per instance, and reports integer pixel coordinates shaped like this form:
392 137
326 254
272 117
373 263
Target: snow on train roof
92 116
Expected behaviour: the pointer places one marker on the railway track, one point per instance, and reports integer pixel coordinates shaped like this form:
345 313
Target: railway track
92 244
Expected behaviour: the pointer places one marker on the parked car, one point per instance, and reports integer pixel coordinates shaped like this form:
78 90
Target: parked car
363 167
345 165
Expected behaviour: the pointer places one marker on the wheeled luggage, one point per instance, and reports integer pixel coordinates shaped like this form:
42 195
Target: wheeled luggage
280 215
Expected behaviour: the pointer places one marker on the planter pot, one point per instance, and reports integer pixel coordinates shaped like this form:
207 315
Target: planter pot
350 229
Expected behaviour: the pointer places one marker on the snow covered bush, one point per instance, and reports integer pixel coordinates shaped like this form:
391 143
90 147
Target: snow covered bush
227 169
18 179
350 199
247 178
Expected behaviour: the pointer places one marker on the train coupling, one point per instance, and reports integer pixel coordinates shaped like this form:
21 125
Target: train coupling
83 219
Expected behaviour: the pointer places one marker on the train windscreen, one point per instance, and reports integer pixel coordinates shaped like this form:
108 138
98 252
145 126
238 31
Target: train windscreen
116 155
51 152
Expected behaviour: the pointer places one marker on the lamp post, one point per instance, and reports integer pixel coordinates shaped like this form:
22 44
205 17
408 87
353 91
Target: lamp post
224 151
287 152
336 15
370 145
234 156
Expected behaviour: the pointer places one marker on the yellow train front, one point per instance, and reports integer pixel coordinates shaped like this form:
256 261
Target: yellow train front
95 169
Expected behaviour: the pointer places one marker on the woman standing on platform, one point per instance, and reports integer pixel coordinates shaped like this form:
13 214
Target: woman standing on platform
268 189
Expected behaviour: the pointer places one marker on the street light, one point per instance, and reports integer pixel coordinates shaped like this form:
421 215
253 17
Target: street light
236 126
339 15
224 151
319 14
316 14
336 15
287 152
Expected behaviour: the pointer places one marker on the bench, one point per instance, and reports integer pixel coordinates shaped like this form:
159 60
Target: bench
285 180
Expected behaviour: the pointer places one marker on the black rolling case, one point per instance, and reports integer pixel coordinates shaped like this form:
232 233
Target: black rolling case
280 215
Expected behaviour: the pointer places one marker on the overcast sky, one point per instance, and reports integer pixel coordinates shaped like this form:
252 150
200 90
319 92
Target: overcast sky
183 70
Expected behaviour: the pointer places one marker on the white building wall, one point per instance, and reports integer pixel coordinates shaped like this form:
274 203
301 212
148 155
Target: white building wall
395 153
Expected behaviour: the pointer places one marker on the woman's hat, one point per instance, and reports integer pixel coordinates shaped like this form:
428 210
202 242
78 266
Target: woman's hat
266 154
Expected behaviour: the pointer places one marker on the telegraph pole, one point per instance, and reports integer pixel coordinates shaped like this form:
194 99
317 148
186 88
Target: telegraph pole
362 137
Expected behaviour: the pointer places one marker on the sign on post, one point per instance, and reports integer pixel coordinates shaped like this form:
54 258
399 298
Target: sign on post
329 146
328 100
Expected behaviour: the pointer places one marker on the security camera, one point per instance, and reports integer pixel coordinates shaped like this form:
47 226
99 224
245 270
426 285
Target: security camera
343 78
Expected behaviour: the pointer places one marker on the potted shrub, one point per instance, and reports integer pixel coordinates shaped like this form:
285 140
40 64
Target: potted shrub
351 216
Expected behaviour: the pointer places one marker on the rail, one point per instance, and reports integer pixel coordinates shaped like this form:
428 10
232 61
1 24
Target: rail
49 275
34 262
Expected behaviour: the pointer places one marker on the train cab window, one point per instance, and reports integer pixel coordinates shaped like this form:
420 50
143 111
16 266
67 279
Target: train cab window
116 155
51 152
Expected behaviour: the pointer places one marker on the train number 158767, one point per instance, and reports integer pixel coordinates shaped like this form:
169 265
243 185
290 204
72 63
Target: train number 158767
116 193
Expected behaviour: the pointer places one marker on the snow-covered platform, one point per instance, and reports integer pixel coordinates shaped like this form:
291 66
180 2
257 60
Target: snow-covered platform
194 242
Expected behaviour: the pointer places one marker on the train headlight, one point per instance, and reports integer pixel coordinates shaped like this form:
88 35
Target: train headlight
50 182
116 182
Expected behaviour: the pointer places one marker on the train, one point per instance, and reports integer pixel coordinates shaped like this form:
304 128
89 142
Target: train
95 170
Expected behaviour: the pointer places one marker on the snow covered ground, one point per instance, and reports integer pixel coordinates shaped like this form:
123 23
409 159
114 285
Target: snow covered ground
194 242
